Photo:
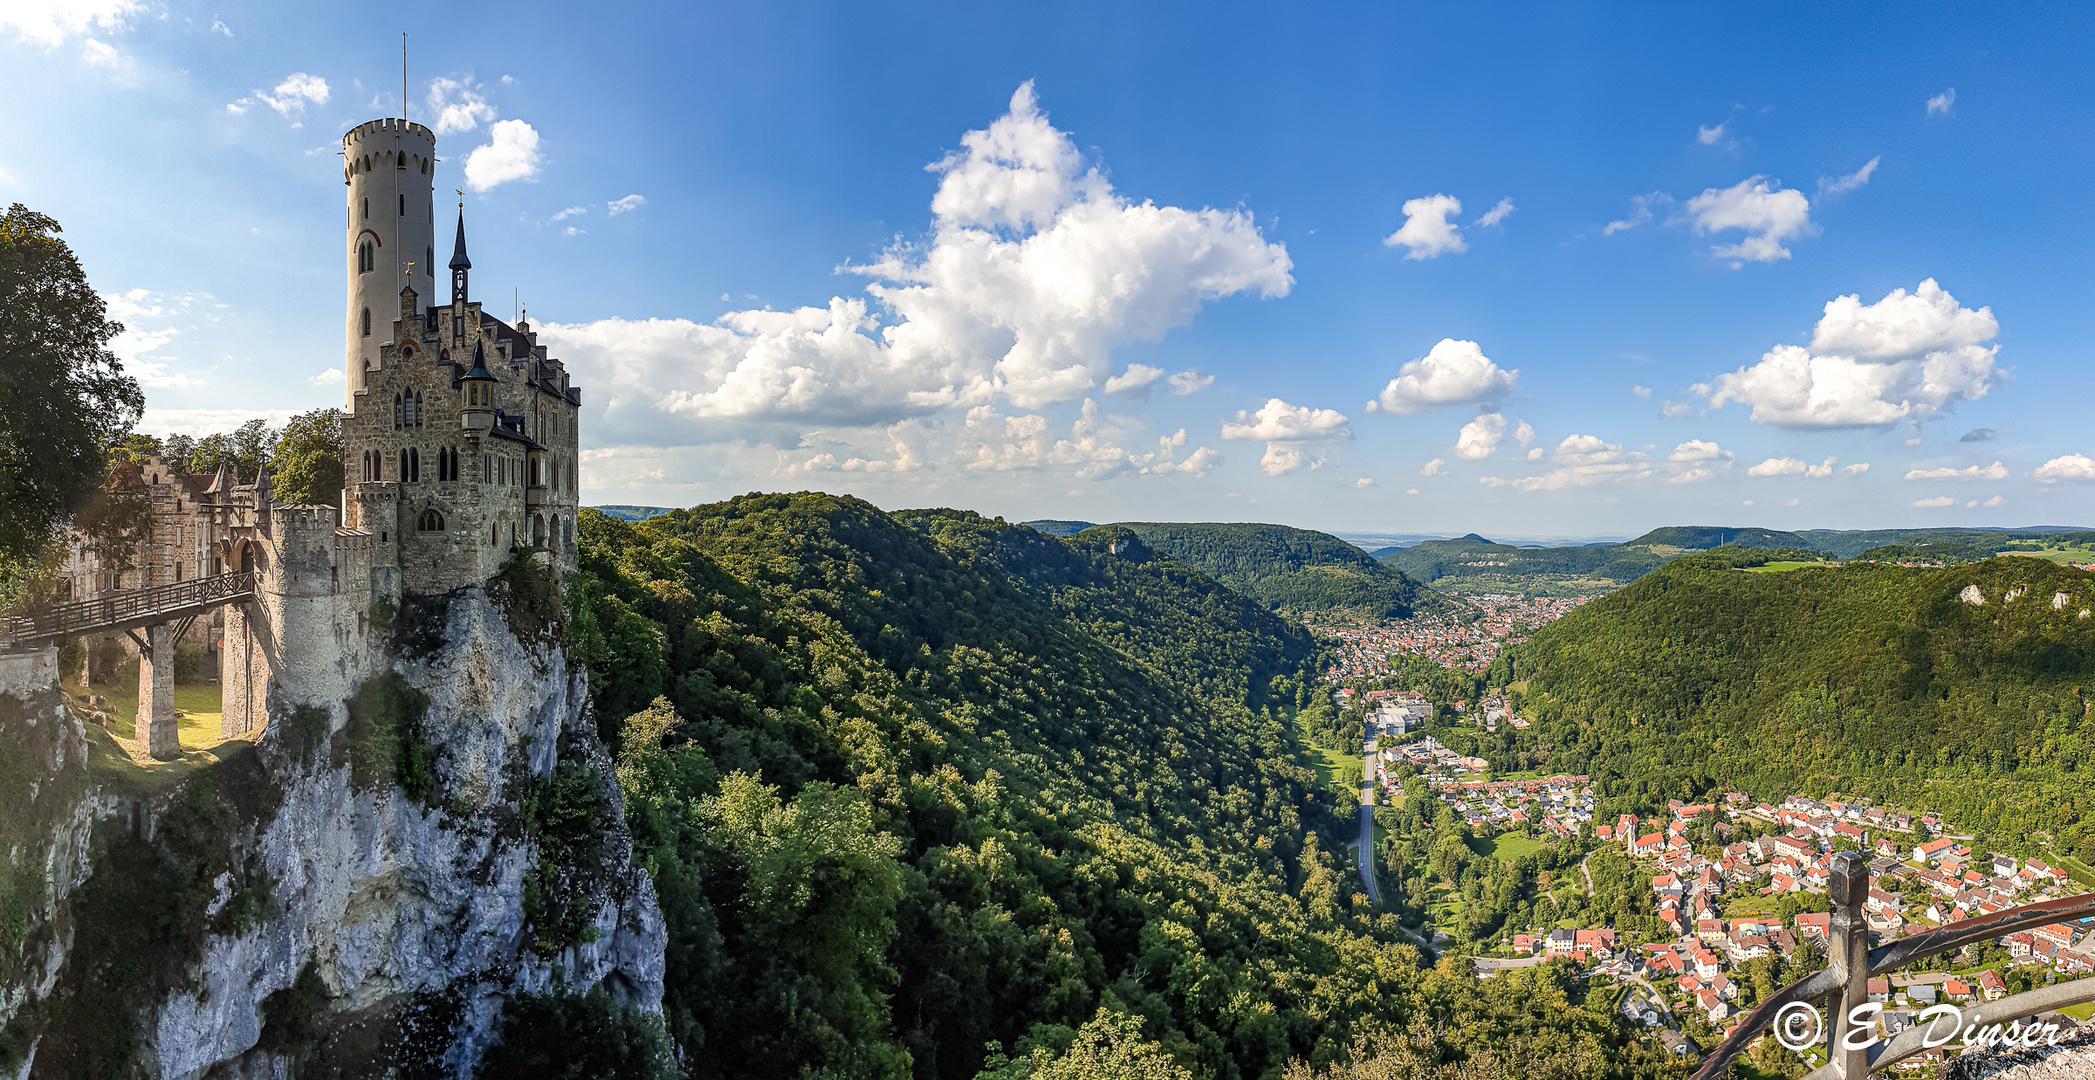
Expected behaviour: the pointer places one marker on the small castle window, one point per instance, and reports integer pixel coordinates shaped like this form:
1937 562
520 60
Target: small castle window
367 322
367 207
399 415
414 465
418 408
431 521
403 205
429 260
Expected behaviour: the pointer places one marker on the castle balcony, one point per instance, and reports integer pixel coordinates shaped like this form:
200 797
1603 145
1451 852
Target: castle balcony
534 495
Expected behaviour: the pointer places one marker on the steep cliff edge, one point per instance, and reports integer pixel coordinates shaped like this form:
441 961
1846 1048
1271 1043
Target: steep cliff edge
360 892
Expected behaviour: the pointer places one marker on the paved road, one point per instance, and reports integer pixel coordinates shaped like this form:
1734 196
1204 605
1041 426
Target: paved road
1367 823
1584 874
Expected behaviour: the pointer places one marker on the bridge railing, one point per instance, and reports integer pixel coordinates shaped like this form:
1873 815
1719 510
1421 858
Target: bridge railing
1845 981
123 610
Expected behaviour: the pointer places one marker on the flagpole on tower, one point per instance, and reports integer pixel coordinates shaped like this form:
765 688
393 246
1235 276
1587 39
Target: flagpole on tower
403 74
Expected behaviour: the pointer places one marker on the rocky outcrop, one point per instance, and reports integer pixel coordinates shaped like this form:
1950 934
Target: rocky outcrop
360 892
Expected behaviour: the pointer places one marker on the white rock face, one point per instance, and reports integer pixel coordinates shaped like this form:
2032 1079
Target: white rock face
398 903
412 916
1972 595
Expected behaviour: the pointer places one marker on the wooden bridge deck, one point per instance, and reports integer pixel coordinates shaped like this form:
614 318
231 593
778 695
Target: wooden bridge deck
125 610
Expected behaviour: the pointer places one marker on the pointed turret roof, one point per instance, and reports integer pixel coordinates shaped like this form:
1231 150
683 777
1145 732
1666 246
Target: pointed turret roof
458 248
479 369
220 482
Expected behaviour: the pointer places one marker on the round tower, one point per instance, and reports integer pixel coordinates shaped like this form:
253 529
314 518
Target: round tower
389 167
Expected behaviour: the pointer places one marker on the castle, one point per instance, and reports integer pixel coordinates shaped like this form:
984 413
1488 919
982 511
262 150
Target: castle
460 449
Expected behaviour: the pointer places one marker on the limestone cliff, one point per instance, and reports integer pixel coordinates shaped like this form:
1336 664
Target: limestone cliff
358 892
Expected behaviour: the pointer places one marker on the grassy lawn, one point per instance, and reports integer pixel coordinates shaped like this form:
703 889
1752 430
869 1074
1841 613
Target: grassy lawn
2082 1011
197 708
1340 771
1751 906
1509 846
1778 567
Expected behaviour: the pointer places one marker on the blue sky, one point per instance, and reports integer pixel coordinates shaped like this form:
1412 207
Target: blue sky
1151 261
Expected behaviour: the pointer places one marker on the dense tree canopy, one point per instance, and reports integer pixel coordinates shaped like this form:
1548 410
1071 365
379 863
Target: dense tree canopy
921 794
66 397
1298 571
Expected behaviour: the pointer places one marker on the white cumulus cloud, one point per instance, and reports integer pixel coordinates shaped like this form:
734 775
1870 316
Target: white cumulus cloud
1995 471
1939 500
1907 356
2078 467
1789 466
1590 461
1035 270
1137 380
458 106
1190 382
1427 232
1452 373
1942 103
1768 213
510 154
50 22
1435 467
1286 430
1496 214
625 205
290 97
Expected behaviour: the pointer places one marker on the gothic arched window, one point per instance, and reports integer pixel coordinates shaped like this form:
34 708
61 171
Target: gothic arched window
430 521
414 465
399 415
403 466
418 408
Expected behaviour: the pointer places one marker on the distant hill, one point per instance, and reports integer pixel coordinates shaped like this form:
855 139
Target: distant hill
1961 689
1058 528
1297 571
1473 564
632 513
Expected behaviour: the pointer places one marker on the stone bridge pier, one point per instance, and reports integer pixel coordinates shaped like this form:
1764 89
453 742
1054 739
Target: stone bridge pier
156 730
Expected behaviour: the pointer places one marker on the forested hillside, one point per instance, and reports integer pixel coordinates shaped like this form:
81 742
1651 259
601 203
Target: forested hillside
1962 689
1473 564
924 793
1297 571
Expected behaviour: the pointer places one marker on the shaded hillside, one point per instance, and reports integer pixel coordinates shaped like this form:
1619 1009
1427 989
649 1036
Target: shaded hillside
1297 571
915 784
1863 678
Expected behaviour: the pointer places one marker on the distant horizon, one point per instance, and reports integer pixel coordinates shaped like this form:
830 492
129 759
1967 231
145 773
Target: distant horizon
1364 538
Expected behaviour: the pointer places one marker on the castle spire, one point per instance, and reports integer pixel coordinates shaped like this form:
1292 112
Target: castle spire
459 263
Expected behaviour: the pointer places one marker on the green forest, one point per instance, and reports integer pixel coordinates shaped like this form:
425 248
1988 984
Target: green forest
1295 571
927 794
1962 690
1473 564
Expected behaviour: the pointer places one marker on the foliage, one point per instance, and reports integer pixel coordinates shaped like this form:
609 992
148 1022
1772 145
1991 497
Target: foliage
305 460
562 1035
564 815
1107 1047
1868 679
1292 570
386 739
910 785
528 592
67 397
141 919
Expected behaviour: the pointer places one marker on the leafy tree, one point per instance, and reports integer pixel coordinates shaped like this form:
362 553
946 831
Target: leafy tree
66 397
572 1036
244 451
305 461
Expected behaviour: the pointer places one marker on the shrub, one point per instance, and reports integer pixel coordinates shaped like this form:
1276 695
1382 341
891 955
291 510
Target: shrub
386 739
564 1034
